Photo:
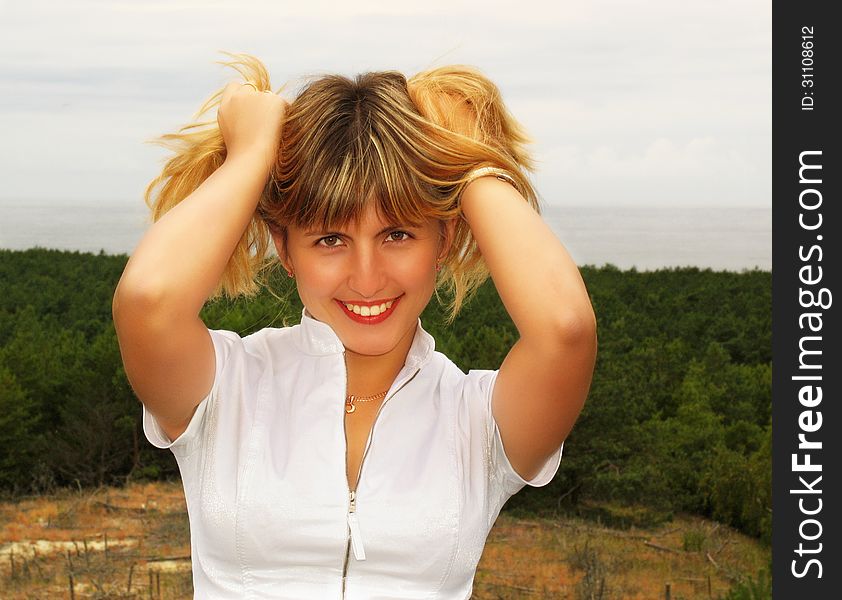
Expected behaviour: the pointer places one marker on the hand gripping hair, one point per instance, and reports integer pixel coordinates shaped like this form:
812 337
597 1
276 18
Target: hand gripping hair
407 145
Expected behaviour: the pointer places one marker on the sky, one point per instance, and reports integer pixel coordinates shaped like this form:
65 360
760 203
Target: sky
629 103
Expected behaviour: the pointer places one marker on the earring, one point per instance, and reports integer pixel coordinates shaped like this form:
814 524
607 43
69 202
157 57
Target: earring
290 274
438 266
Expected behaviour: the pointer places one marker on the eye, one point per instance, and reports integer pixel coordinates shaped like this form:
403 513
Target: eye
399 236
329 241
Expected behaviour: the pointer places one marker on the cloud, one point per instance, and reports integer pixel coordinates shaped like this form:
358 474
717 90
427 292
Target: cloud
664 172
654 101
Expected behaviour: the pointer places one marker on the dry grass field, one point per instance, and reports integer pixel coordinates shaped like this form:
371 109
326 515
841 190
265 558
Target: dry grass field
134 542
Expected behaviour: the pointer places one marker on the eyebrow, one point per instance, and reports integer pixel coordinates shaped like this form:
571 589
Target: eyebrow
387 229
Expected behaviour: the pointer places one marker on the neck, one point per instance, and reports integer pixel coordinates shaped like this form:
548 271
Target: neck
369 375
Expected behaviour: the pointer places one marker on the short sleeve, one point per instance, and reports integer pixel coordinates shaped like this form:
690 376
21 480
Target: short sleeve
500 464
223 344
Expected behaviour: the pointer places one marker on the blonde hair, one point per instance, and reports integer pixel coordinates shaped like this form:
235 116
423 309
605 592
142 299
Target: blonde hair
408 144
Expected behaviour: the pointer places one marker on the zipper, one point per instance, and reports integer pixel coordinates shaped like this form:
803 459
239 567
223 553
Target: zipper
354 535
354 526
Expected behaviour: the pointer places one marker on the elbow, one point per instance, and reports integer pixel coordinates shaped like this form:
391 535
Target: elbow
577 327
138 302
122 298
563 332
129 294
576 340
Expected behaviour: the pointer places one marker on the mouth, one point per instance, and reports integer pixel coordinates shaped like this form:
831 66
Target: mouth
369 313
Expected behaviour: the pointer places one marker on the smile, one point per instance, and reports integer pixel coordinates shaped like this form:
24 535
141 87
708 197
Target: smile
369 312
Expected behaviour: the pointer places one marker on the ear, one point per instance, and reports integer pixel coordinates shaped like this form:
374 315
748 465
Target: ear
448 232
279 238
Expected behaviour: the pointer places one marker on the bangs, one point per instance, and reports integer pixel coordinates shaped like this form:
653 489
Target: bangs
361 146
339 188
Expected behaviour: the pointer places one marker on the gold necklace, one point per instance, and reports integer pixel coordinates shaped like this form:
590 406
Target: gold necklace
349 400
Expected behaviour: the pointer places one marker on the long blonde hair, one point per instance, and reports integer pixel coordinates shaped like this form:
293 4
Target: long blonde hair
409 144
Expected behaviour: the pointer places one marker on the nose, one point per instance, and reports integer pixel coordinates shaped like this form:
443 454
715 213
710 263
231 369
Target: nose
367 276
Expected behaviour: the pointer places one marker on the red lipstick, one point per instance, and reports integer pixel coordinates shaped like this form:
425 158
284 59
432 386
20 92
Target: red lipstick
370 320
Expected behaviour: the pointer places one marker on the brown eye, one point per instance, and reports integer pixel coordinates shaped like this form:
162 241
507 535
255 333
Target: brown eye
330 241
399 236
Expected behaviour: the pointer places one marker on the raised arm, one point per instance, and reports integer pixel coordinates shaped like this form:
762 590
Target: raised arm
166 348
545 378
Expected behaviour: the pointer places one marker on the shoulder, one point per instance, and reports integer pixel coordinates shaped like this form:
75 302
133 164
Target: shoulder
262 345
440 367
474 384
269 338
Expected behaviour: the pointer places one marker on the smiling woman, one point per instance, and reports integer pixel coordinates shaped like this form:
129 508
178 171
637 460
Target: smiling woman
344 457
370 272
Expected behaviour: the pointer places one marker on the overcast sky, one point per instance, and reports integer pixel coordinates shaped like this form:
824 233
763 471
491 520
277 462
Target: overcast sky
629 102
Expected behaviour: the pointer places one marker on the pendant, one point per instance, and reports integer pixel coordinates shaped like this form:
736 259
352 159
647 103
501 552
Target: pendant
349 407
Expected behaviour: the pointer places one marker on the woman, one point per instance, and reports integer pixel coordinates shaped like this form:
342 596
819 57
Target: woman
343 457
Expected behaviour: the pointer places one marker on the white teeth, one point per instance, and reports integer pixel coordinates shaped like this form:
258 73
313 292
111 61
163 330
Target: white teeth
369 311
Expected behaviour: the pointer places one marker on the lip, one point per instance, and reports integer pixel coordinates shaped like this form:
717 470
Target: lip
370 320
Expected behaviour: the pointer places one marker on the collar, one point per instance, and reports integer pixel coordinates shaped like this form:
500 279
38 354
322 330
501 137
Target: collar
317 338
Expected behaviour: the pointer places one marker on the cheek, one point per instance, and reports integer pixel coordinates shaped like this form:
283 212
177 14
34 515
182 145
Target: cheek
419 272
316 276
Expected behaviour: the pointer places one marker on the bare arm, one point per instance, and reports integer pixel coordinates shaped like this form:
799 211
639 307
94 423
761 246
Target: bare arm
544 379
166 348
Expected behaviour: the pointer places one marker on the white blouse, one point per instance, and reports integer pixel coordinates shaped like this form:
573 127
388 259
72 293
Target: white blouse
263 467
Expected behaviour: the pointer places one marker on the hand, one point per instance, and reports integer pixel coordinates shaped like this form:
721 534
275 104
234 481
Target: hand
251 121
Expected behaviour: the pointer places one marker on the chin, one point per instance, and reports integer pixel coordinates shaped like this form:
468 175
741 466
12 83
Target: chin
372 342
376 341
363 351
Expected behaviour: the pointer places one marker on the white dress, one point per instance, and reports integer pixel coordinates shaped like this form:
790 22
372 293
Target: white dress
264 473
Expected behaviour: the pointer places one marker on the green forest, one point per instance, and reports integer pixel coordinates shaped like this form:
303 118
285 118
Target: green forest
678 418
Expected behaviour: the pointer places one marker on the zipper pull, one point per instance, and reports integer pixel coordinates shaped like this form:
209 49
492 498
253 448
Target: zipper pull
354 524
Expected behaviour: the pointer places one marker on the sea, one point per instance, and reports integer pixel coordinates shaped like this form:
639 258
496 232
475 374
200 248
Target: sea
647 238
